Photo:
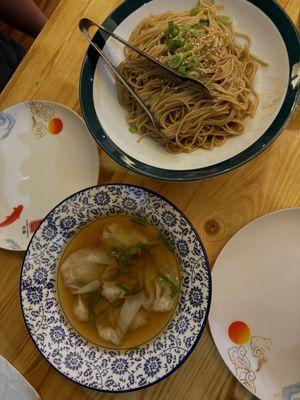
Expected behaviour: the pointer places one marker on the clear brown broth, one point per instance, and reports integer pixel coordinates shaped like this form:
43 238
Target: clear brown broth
89 236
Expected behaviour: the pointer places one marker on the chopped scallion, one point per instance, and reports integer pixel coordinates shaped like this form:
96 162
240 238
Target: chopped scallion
194 74
171 43
225 19
198 32
173 29
189 47
138 220
132 129
132 251
165 240
179 42
194 62
186 27
195 11
125 289
165 279
182 70
176 60
128 256
95 298
112 304
204 21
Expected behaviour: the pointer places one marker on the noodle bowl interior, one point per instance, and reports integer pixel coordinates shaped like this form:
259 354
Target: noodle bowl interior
201 43
118 282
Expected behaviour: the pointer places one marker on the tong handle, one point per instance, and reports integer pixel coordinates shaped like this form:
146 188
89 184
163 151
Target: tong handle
88 23
84 25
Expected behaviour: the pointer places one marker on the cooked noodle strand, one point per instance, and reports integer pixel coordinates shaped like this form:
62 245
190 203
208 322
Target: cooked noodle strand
189 120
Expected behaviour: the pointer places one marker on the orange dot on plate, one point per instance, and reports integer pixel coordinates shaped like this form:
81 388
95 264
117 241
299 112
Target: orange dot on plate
239 332
55 126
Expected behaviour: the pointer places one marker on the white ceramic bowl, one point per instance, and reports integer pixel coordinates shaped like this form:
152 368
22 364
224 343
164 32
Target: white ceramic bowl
274 38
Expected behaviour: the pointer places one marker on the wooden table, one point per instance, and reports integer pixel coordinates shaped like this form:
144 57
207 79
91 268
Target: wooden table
217 207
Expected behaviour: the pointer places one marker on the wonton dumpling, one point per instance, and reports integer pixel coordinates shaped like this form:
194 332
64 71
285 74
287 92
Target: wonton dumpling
113 316
169 267
89 288
157 293
84 266
109 334
139 320
115 235
129 310
80 309
163 301
111 291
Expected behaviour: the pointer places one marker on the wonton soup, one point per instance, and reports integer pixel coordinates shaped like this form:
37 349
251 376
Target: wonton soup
118 281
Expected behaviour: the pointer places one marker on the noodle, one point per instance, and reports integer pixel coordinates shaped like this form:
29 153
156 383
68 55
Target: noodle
209 51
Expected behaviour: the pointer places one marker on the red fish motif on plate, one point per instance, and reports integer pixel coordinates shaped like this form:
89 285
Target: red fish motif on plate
12 217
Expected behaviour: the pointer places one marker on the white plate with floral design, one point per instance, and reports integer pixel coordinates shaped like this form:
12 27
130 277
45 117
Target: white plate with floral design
46 154
255 315
72 355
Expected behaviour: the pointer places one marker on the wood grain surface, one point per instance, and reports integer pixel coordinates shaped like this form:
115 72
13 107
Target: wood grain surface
217 207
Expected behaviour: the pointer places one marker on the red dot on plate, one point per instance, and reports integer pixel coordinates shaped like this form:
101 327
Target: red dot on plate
239 332
55 126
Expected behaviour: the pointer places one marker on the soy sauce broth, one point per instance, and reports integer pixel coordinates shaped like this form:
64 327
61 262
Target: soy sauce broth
90 236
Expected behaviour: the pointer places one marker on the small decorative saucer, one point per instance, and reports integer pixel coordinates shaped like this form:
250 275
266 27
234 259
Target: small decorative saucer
46 154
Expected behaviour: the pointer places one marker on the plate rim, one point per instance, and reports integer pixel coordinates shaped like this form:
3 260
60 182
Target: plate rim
55 103
209 300
291 39
279 211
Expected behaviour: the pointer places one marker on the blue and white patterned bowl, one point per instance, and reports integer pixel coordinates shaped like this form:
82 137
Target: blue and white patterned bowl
68 352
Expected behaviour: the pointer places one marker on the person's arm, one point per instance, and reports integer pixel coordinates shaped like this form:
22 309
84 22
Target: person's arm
23 15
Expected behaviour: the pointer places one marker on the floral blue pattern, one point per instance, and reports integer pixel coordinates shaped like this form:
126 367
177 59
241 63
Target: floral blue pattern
49 232
40 276
169 218
130 204
7 122
73 361
195 297
182 324
152 366
100 198
34 294
65 349
120 366
183 247
57 334
67 223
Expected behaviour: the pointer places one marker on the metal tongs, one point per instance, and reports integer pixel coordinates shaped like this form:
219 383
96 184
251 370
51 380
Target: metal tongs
85 24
